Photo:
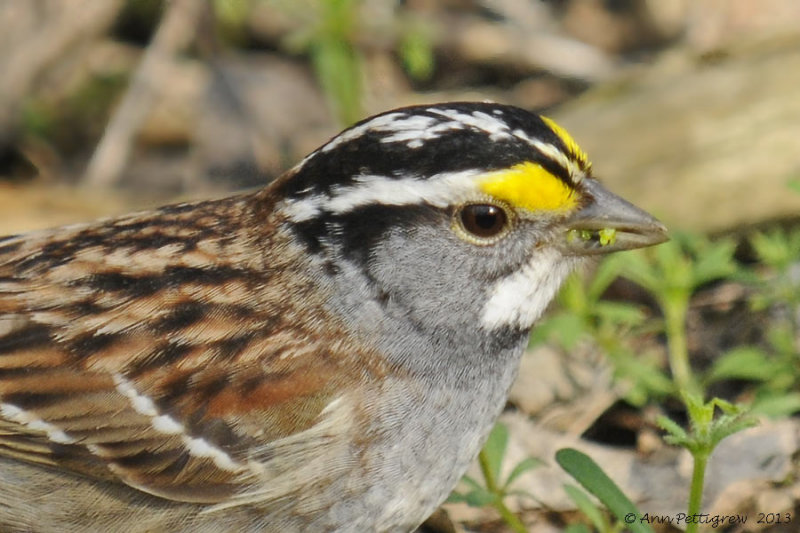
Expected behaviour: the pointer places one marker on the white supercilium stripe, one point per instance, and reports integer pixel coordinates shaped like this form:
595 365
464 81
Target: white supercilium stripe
197 447
439 191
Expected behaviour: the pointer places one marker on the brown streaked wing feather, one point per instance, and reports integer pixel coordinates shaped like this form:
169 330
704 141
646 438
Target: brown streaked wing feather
159 349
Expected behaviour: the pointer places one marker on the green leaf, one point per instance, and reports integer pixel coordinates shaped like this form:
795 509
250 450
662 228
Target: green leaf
777 248
701 414
495 450
587 507
564 328
727 407
232 12
572 295
577 528
743 362
471 482
479 498
336 61
644 373
673 265
677 435
777 406
607 271
782 339
456 497
706 431
586 472
416 51
639 269
619 312
727 425
476 496
715 262
523 466
338 68
38 119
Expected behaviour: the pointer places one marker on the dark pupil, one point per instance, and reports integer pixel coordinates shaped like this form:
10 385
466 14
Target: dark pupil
483 220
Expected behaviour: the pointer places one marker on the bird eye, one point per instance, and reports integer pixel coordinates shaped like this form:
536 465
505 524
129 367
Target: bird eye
483 221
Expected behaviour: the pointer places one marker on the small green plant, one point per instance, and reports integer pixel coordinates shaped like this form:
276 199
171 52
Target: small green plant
331 31
704 434
494 490
592 478
584 315
326 30
774 366
416 49
773 370
69 120
337 61
590 510
671 273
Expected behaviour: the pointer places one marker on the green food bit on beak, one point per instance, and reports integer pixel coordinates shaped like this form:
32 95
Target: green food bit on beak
572 235
607 236
586 235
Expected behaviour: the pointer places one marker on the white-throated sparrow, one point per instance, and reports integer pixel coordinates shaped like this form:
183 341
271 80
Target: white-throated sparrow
326 354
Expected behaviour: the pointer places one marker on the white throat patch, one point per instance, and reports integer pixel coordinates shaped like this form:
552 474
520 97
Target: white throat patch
519 299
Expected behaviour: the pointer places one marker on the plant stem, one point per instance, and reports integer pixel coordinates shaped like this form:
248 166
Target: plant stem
489 477
486 470
675 308
696 491
510 518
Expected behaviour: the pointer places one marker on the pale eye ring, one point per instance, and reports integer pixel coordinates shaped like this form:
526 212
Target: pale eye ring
484 223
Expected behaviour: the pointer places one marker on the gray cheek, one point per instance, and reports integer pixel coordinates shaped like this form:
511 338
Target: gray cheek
421 297
435 278
433 290
427 277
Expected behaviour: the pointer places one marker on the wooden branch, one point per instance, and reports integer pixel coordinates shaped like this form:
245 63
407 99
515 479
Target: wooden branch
177 28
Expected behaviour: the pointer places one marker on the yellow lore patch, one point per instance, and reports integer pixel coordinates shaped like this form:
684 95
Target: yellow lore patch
529 186
568 141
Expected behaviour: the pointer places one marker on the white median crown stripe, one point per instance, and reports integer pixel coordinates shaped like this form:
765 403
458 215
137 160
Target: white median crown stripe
439 190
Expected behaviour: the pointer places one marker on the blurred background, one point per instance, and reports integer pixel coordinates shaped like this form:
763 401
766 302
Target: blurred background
690 109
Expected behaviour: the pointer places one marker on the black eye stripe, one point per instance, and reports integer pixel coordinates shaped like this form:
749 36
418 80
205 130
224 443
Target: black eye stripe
357 231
